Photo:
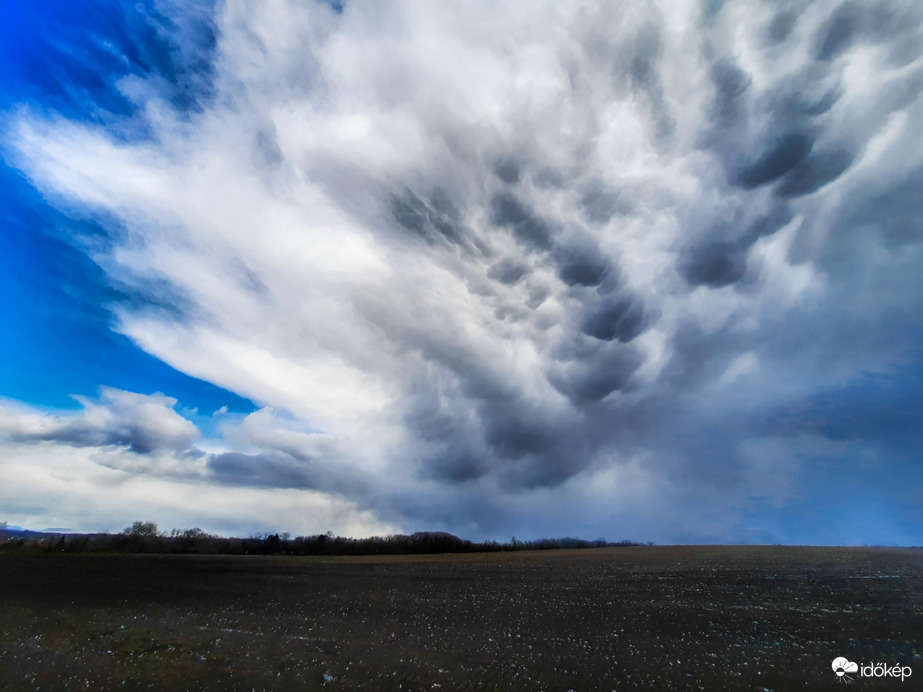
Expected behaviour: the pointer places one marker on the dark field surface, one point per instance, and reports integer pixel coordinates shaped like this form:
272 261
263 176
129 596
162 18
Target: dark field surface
663 618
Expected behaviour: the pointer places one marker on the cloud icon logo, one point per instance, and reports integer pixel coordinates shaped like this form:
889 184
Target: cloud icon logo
842 665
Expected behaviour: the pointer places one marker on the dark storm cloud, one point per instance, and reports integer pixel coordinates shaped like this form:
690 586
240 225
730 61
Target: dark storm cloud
769 137
770 222
510 212
822 102
731 84
601 204
582 265
715 264
718 255
780 28
619 318
456 452
283 465
508 170
891 213
776 160
819 169
644 76
699 356
596 375
513 428
796 99
643 70
508 271
878 21
435 220
266 470
837 34
285 468
500 429
456 465
763 136
879 407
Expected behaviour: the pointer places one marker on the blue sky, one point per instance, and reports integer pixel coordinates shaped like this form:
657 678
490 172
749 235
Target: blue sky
66 57
373 268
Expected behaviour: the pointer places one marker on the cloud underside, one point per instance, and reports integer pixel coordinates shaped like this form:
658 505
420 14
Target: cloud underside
483 266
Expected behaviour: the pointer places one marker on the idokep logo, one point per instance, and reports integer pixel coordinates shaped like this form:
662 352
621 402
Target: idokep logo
842 667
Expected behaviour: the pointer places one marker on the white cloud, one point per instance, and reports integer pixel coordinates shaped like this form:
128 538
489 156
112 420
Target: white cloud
143 423
53 484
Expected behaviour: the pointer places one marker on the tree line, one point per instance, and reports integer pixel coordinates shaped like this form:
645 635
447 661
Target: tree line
145 537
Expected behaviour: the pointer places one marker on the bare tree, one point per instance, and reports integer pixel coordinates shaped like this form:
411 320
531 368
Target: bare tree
141 528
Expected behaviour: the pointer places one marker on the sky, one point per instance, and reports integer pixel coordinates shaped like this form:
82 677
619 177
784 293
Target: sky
636 270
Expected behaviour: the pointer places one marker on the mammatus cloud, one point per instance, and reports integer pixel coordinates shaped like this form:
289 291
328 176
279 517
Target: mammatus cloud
491 261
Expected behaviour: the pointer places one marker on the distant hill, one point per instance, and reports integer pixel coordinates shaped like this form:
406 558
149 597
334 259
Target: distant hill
20 532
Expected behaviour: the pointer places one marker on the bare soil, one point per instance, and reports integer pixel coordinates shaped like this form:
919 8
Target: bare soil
661 618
